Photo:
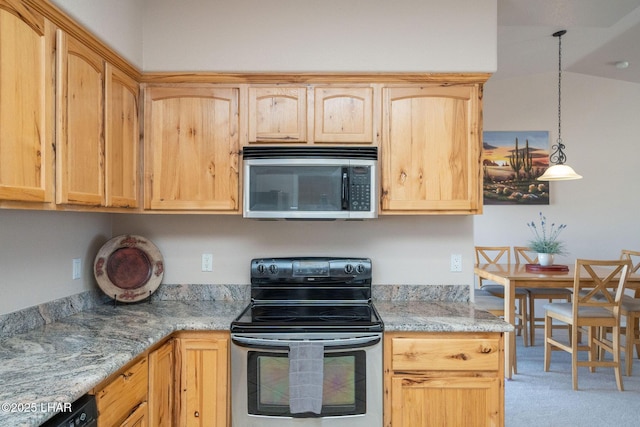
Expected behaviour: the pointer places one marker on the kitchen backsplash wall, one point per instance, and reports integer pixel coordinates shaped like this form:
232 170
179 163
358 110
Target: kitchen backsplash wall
403 249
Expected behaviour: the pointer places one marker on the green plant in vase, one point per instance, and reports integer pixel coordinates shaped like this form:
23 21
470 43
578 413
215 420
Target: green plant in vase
545 240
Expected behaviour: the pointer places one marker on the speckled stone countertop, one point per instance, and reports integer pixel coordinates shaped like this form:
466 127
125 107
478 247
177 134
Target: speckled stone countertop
436 316
63 360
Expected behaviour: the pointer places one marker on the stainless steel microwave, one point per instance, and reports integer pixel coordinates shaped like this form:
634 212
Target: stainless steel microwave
310 182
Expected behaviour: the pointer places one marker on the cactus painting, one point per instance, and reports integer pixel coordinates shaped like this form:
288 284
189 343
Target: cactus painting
511 163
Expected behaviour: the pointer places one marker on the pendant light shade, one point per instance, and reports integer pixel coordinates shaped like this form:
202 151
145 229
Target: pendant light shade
559 171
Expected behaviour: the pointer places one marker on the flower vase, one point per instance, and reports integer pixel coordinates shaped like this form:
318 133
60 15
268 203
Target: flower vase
545 260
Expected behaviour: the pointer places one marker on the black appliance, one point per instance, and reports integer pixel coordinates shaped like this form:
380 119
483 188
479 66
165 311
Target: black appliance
83 413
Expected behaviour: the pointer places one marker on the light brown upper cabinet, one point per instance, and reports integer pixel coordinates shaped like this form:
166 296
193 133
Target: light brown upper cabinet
277 114
122 139
26 104
79 117
191 148
343 114
431 149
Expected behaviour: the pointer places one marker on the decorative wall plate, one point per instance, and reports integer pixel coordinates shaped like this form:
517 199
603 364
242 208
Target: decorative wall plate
128 268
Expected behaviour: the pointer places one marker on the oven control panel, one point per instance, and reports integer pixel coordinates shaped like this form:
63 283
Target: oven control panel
310 269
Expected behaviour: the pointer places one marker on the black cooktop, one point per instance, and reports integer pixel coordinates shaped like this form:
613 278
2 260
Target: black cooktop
309 294
302 317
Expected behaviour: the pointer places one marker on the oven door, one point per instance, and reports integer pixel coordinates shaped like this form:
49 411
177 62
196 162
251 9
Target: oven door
352 387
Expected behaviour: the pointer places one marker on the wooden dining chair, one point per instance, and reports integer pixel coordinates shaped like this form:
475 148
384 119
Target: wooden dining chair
593 309
497 255
525 255
630 311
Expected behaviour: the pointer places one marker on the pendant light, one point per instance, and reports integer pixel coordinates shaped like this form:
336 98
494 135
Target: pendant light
559 171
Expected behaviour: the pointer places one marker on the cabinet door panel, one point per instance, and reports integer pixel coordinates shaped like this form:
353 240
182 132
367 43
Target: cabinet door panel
204 382
79 136
463 402
191 142
161 385
26 104
344 115
277 114
121 139
431 150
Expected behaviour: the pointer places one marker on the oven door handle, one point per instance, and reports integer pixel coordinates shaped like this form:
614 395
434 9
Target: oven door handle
271 343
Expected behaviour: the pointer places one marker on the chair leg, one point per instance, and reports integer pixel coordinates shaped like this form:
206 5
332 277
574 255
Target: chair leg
524 321
630 335
532 321
574 358
594 350
547 345
616 356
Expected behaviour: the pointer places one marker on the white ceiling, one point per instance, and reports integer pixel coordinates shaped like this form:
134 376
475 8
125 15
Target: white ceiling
600 33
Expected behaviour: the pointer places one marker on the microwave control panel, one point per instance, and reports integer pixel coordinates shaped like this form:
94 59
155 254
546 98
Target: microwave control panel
360 188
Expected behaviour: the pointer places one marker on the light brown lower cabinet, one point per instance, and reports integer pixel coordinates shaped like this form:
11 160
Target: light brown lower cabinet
122 398
162 387
182 381
202 362
444 379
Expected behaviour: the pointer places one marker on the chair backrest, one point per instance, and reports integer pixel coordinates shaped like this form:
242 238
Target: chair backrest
530 257
634 259
493 254
599 283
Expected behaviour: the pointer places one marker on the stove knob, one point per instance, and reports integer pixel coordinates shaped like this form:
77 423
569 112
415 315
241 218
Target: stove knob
261 269
360 269
348 269
273 269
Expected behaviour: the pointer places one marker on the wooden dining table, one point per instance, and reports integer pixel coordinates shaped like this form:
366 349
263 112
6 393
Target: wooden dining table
513 276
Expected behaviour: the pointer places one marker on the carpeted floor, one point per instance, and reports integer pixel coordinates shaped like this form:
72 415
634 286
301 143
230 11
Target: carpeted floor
546 399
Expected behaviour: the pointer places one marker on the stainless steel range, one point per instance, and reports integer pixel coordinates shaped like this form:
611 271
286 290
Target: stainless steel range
307 350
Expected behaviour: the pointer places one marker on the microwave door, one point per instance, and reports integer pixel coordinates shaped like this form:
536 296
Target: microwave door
295 191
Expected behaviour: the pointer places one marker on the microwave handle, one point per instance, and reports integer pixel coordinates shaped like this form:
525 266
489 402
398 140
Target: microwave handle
345 189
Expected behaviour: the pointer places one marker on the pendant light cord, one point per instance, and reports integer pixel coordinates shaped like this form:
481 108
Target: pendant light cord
558 155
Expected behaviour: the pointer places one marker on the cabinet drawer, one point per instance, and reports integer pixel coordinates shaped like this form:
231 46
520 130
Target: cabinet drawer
123 394
445 354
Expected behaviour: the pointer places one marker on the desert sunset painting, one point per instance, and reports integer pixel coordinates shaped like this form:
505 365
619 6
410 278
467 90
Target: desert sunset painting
511 163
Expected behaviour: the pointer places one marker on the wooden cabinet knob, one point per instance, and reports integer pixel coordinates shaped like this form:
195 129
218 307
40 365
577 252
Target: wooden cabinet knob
196 414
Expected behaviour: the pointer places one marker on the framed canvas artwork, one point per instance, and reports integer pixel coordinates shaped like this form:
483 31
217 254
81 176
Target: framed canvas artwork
511 163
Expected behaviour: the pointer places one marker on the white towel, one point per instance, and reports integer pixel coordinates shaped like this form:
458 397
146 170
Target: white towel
306 376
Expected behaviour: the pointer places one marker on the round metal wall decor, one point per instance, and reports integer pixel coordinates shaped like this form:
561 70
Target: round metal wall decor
128 268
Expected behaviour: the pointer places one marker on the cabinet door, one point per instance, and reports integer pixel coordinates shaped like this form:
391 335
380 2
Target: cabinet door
204 382
26 104
191 148
343 114
79 135
123 395
431 150
161 385
456 402
277 114
122 137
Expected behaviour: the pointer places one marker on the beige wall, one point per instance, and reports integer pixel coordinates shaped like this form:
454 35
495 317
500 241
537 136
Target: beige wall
36 249
600 128
408 249
118 22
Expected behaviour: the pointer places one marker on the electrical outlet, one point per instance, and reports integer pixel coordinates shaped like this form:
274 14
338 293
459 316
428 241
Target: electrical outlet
76 268
207 262
456 263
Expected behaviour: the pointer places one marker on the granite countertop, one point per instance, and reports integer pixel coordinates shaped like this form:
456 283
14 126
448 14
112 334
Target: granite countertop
65 359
